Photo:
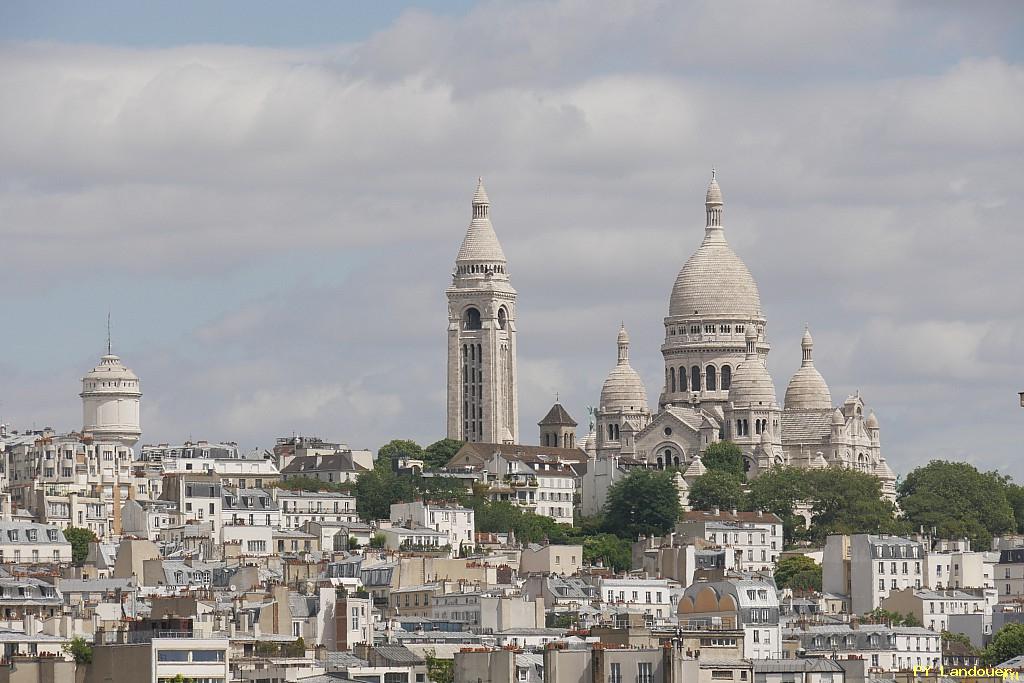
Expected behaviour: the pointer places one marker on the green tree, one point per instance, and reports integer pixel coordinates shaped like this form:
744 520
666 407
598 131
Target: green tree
1015 497
377 489
798 572
643 502
440 453
716 489
1008 642
79 538
779 491
378 541
884 616
611 550
79 649
725 456
439 670
849 502
397 448
957 500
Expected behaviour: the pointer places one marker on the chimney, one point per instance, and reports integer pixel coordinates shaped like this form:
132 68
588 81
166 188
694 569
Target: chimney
760 513
7 514
131 491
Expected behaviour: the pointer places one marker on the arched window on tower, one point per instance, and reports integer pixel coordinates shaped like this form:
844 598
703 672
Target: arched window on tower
695 378
710 378
616 432
682 379
471 319
726 377
611 433
672 373
502 318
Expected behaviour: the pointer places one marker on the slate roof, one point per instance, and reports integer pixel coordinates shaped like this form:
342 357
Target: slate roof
557 416
806 426
336 462
474 454
398 654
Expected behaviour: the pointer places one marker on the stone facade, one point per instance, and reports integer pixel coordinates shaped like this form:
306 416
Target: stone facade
483 403
716 384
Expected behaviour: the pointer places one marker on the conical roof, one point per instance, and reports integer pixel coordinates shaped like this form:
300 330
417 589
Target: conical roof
695 469
481 242
557 416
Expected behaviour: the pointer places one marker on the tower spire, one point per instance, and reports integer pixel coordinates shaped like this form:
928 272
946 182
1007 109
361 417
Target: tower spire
109 345
713 202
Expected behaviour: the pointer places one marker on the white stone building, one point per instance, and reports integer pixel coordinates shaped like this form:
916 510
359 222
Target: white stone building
753 539
300 507
867 568
457 522
650 596
483 402
31 543
111 397
716 385
750 604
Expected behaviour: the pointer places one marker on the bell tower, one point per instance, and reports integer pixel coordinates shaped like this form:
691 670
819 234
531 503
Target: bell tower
483 402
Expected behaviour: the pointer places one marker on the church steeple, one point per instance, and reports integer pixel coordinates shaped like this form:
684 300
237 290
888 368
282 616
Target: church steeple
713 202
483 403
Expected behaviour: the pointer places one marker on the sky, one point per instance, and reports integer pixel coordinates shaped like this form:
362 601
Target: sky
268 199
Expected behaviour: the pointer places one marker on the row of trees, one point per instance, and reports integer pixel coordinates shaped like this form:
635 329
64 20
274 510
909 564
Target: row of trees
952 498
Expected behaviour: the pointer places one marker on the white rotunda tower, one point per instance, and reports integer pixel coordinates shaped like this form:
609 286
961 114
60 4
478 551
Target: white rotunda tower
714 302
483 402
111 399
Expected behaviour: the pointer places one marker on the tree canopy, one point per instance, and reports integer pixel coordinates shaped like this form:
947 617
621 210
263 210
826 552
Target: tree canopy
399 448
1008 642
440 453
642 502
717 489
725 456
958 501
79 538
798 573
849 502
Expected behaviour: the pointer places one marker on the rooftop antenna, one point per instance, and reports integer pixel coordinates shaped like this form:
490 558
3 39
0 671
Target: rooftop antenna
108 332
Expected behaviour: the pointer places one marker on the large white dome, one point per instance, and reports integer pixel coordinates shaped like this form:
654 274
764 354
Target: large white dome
751 383
715 281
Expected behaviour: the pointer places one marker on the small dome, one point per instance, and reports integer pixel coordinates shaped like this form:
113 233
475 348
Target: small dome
110 368
623 389
751 384
872 421
838 419
807 389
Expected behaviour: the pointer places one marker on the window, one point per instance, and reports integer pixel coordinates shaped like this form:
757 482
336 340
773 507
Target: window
644 672
615 674
721 674
172 656
726 377
207 655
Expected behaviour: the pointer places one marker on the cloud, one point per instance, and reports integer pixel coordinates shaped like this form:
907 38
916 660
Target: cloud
279 225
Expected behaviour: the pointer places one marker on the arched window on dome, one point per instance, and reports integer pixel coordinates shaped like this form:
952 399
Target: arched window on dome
711 378
672 374
682 379
695 378
726 377
502 318
471 319
616 432
611 433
